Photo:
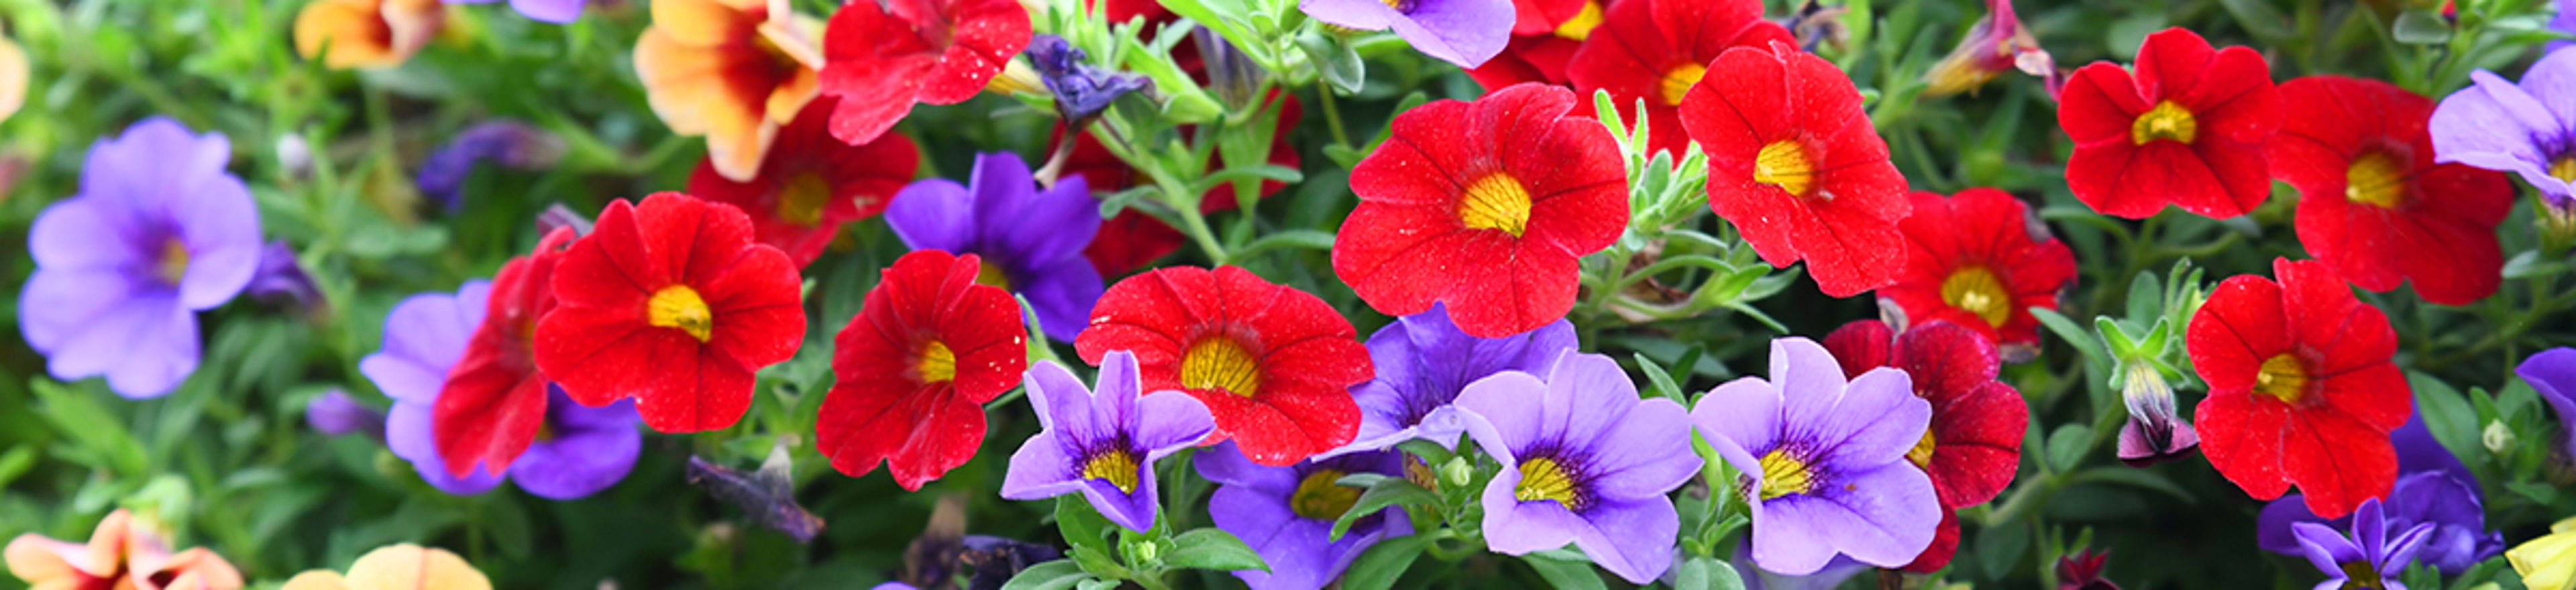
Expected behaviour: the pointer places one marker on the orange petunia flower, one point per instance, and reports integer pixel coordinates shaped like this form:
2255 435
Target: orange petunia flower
398 567
121 554
734 71
366 33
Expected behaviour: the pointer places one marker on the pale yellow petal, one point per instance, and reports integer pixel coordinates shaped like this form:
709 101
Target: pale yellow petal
736 155
13 78
702 22
316 580
411 567
2546 563
790 98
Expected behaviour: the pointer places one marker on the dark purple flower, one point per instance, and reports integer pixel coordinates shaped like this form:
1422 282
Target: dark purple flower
1287 513
335 414
1080 90
2432 487
1462 32
1102 442
2154 432
2371 558
282 279
1823 461
580 450
552 11
511 144
1755 578
1423 361
2528 130
2552 374
1031 240
767 495
1584 461
158 232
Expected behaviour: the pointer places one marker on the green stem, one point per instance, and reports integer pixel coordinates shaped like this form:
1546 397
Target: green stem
1332 115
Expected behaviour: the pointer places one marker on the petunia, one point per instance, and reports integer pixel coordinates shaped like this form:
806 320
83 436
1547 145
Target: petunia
495 403
334 413
370 34
1030 238
2552 373
1584 461
1657 50
2374 205
2155 431
2187 128
510 144
1461 32
13 78
2301 390
1081 90
1102 442
121 553
1824 462
1272 363
1973 444
880 59
2529 130
915 366
811 183
1545 35
1287 513
729 70
2371 557
158 232
569 451
1486 206
1970 260
1796 165
670 303
2547 562
281 279
397 567
1423 361
1833 575
551 11
1993 45
2432 487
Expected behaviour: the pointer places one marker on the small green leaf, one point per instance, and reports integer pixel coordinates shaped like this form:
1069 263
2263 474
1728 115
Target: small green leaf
1379 566
2000 547
2419 26
2146 294
2066 447
1663 382
1386 492
1336 61
1060 574
2446 413
1213 549
1705 573
2066 329
1295 238
1565 575
1081 525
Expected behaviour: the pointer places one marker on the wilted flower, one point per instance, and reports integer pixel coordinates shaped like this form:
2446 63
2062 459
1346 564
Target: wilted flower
1102 442
2371 557
398 567
366 33
1461 32
1287 513
1030 238
1994 45
1423 361
122 553
767 495
1823 461
2155 431
1584 461
511 144
1081 90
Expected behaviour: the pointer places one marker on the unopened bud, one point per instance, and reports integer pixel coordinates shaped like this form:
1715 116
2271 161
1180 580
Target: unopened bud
1457 473
2497 437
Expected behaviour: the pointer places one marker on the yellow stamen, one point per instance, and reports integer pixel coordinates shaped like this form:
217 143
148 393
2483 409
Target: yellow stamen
1678 81
1497 201
992 275
1545 479
545 432
936 363
1785 164
1580 27
2283 376
1116 467
1922 453
1783 475
1221 363
2563 168
174 261
678 306
2374 180
2166 121
1318 498
802 198
1976 290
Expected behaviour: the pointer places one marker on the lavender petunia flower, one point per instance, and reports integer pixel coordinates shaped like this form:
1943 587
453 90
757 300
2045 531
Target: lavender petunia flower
158 232
1102 442
1423 361
1286 513
2154 432
1832 576
551 11
1031 240
2371 558
1823 461
1462 32
579 451
2565 22
2529 130
2432 487
282 279
1081 91
511 144
2552 374
1584 461
335 414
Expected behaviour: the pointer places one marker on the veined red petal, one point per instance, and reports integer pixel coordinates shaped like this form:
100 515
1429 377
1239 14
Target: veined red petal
1843 218
891 403
2218 107
1302 354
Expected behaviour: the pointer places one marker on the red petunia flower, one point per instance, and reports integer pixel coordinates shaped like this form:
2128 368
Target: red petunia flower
2300 387
671 303
812 183
1486 206
1133 239
881 59
915 367
2374 205
1798 168
1544 39
1974 444
1274 364
1659 49
1971 260
494 402
2187 129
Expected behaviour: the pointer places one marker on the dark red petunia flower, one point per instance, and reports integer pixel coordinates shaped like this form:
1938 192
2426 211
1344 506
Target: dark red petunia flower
2374 205
881 59
1485 206
1974 443
2301 390
1659 49
671 303
494 402
1133 239
1273 363
811 183
1544 39
915 367
2187 129
1798 168
1971 260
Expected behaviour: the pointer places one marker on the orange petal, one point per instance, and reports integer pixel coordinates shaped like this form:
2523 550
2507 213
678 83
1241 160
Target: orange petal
413 24
790 97
705 22
737 154
411 567
199 569
316 580
354 31
38 560
13 78
676 81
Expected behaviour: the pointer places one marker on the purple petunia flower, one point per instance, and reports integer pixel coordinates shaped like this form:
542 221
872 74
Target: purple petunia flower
2552 374
2565 22
335 414
579 451
1462 32
551 11
158 232
282 279
1031 240
1832 576
2371 558
1080 90
2529 130
2154 431
511 144
1287 513
1584 461
1423 361
2432 487
1102 442
1823 461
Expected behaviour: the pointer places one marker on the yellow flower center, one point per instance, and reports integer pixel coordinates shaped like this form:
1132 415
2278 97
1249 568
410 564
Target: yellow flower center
1976 290
2284 377
545 432
1785 164
801 200
2360 574
1580 27
1318 498
936 363
1219 362
1496 201
1545 479
2166 121
174 261
1783 475
1921 455
1116 467
678 306
2563 168
2374 180
1679 80
992 275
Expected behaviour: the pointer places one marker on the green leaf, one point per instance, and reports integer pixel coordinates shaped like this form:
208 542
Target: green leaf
1060 574
2000 547
77 415
1081 525
2066 447
2145 296
507 525
2075 335
1339 65
2540 493
1119 201
1213 549
1295 238
1663 382
2446 413
1386 492
1565 575
1283 174
1379 566
1705 573
2419 26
